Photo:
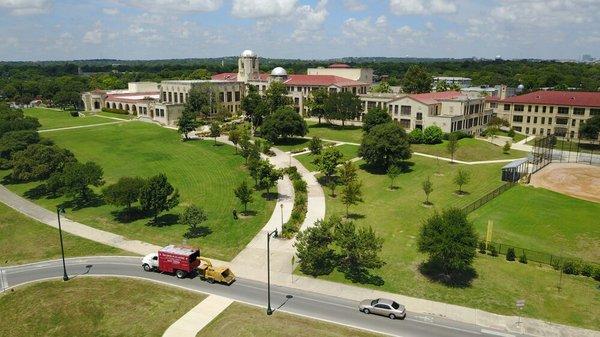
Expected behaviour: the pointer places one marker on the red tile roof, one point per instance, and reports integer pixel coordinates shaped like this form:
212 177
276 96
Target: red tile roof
339 65
225 77
434 97
299 80
567 98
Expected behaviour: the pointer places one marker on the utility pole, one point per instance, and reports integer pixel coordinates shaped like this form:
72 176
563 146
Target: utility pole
269 234
60 210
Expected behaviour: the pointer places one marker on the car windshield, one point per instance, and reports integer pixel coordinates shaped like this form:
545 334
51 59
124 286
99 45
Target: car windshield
395 305
373 302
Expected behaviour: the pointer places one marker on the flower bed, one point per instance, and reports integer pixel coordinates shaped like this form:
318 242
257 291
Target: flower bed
292 227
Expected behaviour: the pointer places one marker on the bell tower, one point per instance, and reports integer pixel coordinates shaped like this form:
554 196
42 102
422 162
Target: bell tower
248 66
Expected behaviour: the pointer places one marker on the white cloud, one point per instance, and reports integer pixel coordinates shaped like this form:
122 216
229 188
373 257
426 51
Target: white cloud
262 8
110 11
355 5
542 13
26 7
310 21
381 21
165 6
94 36
422 7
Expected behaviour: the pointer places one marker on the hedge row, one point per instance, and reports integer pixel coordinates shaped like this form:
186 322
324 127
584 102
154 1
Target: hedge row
292 227
116 111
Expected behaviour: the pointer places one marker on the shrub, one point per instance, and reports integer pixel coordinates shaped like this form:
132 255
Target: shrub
493 251
510 254
511 132
74 113
415 136
555 263
481 247
299 185
571 267
587 270
597 274
523 258
433 135
116 111
459 135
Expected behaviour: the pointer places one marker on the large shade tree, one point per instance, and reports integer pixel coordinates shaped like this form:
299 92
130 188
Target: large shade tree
416 80
283 123
343 106
385 145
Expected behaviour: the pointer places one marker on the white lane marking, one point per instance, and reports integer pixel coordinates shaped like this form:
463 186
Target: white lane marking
490 332
473 332
79 259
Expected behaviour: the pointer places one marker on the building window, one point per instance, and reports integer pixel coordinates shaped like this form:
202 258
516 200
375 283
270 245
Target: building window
544 109
549 120
560 132
594 112
543 120
175 97
573 121
237 96
533 131
405 123
221 97
535 120
518 119
419 116
528 119
529 108
551 109
579 111
395 109
170 97
493 105
526 131
518 128
506 107
562 121
519 107
180 97
536 108
405 110
229 96
563 110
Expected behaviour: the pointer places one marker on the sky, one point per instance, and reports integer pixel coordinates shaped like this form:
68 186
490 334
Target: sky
32 30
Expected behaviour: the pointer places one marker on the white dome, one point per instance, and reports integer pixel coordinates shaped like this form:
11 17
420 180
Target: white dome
278 72
248 53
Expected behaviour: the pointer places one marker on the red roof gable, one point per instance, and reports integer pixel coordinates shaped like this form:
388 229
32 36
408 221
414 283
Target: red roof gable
320 80
225 77
339 65
433 97
568 98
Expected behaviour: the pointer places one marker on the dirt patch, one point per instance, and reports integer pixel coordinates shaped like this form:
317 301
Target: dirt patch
577 180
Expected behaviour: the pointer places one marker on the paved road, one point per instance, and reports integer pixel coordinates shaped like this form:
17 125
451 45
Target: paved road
315 305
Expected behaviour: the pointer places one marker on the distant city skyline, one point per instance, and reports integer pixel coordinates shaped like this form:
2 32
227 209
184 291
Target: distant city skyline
33 30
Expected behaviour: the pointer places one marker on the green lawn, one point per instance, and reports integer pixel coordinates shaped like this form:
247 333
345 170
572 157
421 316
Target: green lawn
241 320
469 149
26 240
115 115
349 152
52 119
348 133
543 220
204 174
93 307
518 136
397 215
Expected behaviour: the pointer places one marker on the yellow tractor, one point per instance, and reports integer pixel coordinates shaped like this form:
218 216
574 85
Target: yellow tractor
211 274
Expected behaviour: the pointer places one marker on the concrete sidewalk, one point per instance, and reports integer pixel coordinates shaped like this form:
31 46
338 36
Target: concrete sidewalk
196 319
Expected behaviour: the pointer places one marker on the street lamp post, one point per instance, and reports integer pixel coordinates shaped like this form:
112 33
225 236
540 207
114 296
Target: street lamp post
281 206
269 234
62 249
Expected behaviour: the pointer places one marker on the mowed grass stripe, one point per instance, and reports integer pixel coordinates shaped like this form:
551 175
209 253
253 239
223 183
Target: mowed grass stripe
204 174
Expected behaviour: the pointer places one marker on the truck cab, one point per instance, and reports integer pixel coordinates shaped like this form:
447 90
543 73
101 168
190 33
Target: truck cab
150 262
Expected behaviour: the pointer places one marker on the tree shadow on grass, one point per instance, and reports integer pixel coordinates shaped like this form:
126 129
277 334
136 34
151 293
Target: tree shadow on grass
37 192
405 166
164 220
270 195
125 216
355 216
454 280
77 203
197 232
334 126
291 141
362 275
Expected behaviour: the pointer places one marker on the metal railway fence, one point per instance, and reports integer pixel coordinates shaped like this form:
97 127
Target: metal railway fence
489 196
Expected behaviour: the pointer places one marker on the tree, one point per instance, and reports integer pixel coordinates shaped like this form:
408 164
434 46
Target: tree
187 123
124 192
315 146
590 128
433 135
382 87
199 74
39 161
416 80
316 103
158 195
348 172
358 249
351 194
506 147
374 117
385 145
234 137
441 86
203 100
251 105
313 248
393 172
427 187
450 240
275 98
343 106
14 141
244 194
215 131
452 145
416 136
67 98
267 176
192 217
76 179
328 162
491 131
462 178
283 123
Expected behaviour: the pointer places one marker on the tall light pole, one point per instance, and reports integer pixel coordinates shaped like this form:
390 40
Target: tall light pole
60 210
281 206
269 234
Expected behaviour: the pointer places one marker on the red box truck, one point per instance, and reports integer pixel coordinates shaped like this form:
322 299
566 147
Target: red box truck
180 260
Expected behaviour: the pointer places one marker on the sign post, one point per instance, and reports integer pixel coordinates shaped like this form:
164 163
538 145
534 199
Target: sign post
520 304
